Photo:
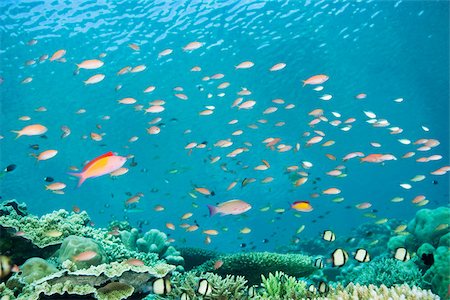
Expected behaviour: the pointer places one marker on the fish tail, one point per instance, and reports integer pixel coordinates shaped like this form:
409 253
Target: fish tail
80 176
304 83
19 134
35 156
212 210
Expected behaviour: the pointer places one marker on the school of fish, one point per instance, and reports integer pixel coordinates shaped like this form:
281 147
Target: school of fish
234 155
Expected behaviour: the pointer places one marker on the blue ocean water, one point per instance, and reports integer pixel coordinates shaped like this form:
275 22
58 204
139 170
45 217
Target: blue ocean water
385 49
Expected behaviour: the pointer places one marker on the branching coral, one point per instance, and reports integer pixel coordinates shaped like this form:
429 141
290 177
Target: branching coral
223 288
372 292
385 271
282 286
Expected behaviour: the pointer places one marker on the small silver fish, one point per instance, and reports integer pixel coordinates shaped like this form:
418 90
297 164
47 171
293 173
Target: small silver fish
66 131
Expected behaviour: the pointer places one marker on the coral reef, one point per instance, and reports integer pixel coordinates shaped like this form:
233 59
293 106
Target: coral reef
194 257
429 226
153 241
5 292
35 268
439 273
74 245
372 292
254 264
229 287
429 230
119 225
8 206
39 238
381 233
282 286
384 271
50 230
37 229
106 281
424 228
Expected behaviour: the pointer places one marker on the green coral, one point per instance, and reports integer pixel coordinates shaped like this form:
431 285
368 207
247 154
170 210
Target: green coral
153 241
223 288
36 234
282 286
194 257
429 228
423 227
252 265
387 271
74 245
36 229
439 273
35 268
6 293
445 240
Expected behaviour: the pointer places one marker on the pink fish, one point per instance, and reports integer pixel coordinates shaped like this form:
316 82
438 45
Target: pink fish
316 79
85 256
232 207
102 165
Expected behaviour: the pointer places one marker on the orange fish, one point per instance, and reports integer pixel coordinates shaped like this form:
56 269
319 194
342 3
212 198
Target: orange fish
85 256
331 191
316 79
104 164
218 264
373 158
30 130
303 206
135 262
232 207
204 191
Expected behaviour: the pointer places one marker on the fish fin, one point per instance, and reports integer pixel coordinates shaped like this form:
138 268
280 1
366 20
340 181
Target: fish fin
35 156
304 83
212 210
19 134
80 176
96 159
